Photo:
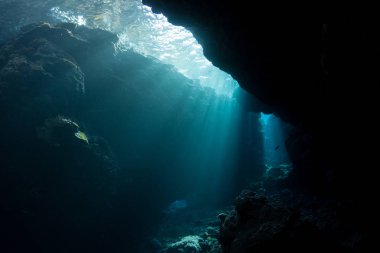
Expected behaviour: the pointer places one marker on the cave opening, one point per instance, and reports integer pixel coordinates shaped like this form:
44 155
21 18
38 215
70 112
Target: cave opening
120 135
274 132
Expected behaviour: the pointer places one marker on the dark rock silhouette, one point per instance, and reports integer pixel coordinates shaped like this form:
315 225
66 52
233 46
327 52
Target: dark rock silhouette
311 65
281 223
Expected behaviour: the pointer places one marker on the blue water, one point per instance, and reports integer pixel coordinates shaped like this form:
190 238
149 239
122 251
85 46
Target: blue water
274 133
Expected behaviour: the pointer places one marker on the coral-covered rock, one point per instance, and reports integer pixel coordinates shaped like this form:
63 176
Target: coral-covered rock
41 69
187 244
248 205
261 224
61 131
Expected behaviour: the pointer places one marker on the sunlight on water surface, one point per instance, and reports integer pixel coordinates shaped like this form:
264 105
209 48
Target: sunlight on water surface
150 34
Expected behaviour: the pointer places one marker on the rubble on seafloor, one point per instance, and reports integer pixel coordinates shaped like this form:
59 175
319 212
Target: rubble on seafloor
262 223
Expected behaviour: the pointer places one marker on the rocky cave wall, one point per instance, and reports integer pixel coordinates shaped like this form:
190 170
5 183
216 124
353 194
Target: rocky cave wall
312 65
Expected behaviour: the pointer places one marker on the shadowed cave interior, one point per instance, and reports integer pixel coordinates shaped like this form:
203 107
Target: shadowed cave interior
185 126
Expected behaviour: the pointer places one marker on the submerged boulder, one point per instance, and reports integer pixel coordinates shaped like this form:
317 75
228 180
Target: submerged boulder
37 74
284 223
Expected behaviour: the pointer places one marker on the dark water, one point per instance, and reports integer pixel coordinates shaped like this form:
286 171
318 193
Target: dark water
97 144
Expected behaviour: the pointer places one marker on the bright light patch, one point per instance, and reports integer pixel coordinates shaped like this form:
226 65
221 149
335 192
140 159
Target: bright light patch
264 118
272 129
150 34
68 16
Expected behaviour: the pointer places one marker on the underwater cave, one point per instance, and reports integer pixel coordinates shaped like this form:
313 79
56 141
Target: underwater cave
153 126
